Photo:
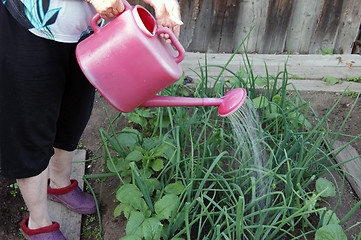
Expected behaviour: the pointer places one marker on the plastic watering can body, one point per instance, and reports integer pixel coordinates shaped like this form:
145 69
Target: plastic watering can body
127 61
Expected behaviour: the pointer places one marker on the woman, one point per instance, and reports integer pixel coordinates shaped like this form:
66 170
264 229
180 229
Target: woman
46 102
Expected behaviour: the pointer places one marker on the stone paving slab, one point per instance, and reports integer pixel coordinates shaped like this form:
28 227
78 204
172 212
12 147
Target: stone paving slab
70 222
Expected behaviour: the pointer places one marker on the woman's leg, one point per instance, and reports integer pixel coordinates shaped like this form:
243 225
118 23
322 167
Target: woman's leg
60 168
33 190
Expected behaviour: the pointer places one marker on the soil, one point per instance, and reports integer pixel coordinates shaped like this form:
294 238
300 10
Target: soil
13 210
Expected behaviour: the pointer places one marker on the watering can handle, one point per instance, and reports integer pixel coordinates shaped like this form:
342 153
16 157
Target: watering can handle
94 20
175 42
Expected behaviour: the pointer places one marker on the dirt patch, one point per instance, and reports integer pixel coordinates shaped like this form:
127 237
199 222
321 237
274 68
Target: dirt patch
11 210
12 207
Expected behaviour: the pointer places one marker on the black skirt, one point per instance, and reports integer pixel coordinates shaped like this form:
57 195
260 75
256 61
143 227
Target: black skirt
45 100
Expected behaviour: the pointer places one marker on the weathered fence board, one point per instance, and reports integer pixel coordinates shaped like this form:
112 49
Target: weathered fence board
302 24
349 24
278 19
252 16
328 22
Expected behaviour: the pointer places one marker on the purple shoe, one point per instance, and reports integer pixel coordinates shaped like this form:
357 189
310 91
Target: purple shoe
51 232
73 198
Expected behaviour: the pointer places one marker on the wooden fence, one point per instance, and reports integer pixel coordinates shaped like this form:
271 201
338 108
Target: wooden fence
272 26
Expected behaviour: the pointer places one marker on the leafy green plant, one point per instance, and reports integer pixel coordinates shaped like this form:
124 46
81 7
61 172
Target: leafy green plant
327 51
330 81
351 94
353 79
14 189
88 230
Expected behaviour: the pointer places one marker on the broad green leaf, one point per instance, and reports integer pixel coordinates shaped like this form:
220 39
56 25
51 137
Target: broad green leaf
158 152
277 99
170 149
260 102
117 164
300 120
323 184
165 121
131 237
148 144
152 184
183 93
134 223
140 204
126 208
331 80
157 164
118 210
166 206
128 138
145 112
232 80
260 82
243 73
152 229
330 232
272 111
128 193
311 202
135 155
303 121
176 188
330 218
134 117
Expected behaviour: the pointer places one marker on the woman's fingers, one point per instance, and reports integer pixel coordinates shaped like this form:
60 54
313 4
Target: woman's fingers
108 8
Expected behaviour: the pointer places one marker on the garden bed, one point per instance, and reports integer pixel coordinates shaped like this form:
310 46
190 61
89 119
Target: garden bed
12 207
114 228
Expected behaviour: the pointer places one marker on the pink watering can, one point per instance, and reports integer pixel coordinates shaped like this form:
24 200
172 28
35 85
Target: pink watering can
129 63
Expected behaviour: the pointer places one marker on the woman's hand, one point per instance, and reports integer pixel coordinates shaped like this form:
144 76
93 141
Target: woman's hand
107 8
167 14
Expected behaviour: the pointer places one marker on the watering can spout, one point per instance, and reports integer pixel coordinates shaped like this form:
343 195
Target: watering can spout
227 104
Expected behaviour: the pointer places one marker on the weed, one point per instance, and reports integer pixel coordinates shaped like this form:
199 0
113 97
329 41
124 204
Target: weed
88 230
24 208
80 145
353 79
331 80
327 51
14 189
351 94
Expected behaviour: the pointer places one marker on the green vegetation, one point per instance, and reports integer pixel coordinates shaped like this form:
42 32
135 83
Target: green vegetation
182 176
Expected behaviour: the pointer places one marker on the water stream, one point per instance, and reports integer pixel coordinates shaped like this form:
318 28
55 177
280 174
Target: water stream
250 148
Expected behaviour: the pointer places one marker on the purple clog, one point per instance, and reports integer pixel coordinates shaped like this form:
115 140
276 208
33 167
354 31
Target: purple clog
73 198
50 232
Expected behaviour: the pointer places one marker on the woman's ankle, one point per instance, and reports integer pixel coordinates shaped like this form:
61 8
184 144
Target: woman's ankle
59 182
39 222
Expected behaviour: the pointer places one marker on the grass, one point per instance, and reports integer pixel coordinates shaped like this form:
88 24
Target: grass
182 177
